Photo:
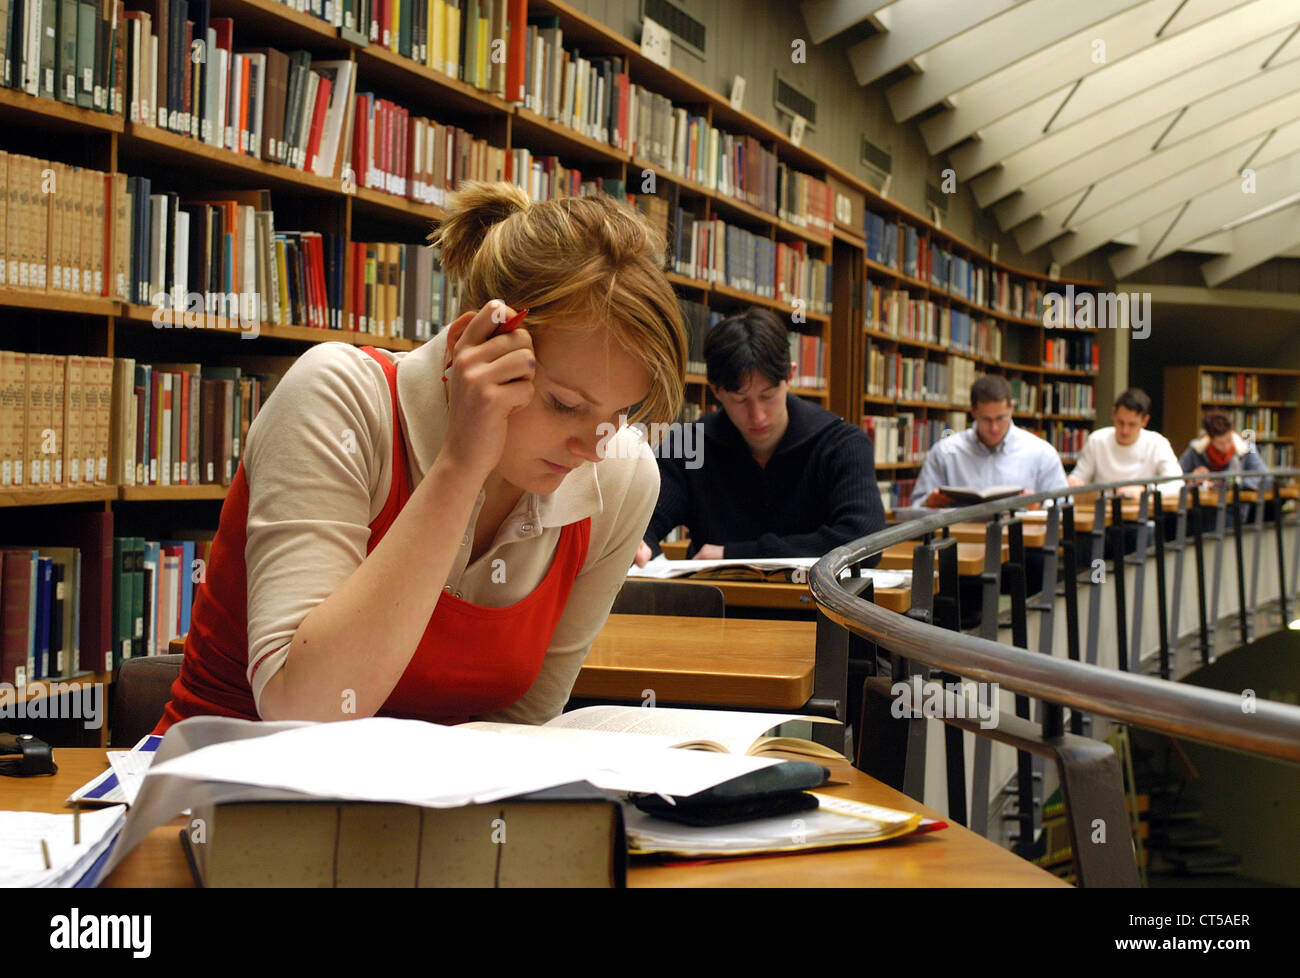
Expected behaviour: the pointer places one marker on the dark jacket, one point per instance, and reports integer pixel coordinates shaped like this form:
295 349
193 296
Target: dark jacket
818 490
1244 458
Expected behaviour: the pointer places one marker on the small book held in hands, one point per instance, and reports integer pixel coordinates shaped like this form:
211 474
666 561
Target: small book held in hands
969 496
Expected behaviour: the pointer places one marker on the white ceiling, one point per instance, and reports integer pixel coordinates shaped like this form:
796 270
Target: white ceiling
1163 125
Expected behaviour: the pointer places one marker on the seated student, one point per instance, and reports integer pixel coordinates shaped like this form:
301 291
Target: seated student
434 534
992 453
1127 450
1221 449
778 477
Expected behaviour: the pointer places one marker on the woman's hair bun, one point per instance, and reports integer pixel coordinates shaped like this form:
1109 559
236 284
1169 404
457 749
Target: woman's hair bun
471 213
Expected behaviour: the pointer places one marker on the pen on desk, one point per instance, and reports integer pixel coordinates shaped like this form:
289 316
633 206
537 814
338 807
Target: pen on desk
45 851
76 824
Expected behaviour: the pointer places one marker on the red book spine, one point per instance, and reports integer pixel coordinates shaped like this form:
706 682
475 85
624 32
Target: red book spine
317 123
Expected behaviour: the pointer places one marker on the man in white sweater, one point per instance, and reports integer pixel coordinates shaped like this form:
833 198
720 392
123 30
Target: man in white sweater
1126 450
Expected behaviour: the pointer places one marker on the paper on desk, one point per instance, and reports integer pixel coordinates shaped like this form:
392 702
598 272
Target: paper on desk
661 568
107 788
209 760
22 863
130 767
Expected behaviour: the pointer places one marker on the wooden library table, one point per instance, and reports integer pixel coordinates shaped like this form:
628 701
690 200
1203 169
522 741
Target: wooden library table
970 557
951 857
785 596
738 662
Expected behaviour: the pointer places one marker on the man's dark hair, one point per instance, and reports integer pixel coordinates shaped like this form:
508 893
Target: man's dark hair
990 387
1216 423
748 342
1135 399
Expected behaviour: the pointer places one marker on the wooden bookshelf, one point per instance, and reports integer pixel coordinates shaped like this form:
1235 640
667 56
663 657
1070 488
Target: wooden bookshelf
108 327
1260 400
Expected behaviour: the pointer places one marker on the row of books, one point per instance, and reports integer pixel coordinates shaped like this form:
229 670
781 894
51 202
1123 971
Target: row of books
1276 456
808 355
890 374
62 228
1072 353
1216 386
1025 394
1066 437
714 251
905 437
1060 397
905 248
55 419
184 424
895 312
1264 422
40 611
64 50
154 585
698 318
222 255
546 178
896 493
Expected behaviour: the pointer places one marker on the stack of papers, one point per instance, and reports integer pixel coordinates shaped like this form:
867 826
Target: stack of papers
22 861
835 822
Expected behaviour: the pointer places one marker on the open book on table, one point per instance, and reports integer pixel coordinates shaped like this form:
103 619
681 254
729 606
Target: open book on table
754 569
633 727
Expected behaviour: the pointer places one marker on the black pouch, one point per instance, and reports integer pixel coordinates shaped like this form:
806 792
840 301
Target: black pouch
777 790
34 756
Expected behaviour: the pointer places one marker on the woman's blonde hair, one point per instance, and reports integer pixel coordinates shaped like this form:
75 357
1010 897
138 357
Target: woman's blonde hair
573 259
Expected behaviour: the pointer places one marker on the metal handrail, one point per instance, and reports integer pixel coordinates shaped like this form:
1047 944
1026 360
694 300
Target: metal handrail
1209 716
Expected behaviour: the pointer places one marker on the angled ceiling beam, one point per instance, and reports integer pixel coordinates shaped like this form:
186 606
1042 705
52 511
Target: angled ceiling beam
826 18
1275 181
913 28
980 52
1172 192
1059 66
1053 167
1121 81
1152 169
1255 243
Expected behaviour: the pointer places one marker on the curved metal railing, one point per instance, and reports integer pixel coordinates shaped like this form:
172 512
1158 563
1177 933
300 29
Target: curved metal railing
1213 717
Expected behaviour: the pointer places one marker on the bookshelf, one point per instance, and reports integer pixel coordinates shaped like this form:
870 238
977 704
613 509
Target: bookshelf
1260 400
505 135
806 212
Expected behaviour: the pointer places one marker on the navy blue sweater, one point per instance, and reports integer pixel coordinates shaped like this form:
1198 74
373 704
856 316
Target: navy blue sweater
818 490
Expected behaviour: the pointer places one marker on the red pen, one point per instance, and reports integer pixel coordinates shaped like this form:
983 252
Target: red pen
511 324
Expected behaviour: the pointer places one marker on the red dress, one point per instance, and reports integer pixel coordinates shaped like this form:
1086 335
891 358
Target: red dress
471 659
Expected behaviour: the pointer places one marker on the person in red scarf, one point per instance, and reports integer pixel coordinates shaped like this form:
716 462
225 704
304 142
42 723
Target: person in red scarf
1222 449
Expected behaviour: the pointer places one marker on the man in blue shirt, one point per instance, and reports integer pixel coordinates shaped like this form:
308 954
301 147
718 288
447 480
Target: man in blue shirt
993 452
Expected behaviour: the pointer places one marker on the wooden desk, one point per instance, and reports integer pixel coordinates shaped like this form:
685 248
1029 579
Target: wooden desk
949 858
737 662
970 557
788 597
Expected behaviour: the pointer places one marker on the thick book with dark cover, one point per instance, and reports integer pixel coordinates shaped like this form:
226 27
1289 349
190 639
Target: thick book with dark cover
567 836
969 495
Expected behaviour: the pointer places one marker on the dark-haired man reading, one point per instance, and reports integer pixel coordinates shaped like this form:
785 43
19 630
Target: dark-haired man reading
778 477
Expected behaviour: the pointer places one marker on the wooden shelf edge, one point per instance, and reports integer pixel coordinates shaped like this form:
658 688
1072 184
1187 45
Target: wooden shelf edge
11 496
50 109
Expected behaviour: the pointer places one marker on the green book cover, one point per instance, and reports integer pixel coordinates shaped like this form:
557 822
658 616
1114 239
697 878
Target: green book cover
49 45
66 64
86 54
